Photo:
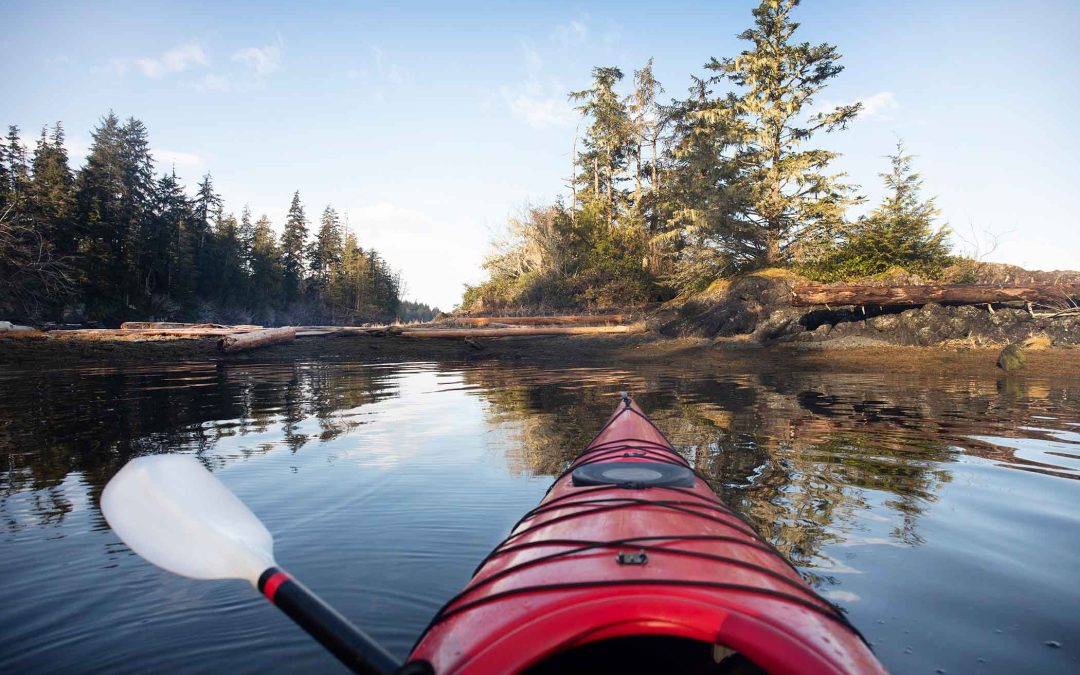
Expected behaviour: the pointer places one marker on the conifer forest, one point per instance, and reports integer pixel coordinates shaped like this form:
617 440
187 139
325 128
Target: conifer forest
663 199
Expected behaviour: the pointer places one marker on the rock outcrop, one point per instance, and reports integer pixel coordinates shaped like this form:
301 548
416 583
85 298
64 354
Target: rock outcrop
758 306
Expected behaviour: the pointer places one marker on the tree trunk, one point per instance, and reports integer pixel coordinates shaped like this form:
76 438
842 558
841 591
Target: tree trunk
968 294
261 338
596 177
539 320
511 332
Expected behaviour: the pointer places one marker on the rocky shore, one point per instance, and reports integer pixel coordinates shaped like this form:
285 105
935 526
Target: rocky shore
759 308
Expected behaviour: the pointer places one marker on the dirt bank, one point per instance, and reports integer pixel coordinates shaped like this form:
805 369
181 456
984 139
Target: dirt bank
759 307
850 355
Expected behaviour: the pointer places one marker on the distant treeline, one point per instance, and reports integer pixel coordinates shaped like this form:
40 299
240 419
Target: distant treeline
664 199
114 241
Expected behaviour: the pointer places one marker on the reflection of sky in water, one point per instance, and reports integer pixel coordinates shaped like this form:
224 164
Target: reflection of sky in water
385 485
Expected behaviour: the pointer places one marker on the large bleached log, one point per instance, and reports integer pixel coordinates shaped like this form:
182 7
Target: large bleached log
538 320
512 332
970 294
167 325
256 339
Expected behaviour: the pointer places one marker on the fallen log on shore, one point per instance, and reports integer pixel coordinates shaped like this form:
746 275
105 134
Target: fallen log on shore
961 294
241 342
170 325
538 320
512 332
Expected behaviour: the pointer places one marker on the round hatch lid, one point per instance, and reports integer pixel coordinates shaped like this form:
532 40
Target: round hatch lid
633 475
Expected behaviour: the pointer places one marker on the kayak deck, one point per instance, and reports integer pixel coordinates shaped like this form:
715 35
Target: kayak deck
632 560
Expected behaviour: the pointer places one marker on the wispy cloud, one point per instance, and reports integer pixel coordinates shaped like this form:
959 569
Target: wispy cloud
175 60
262 60
391 72
214 82
539 101
572 33
877 107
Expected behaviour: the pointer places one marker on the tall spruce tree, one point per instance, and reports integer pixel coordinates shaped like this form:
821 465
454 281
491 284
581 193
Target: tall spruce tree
18 170
293 248
266 272
699 231
173 251
52 191
783 191
609 142
326 251
136 214
100 193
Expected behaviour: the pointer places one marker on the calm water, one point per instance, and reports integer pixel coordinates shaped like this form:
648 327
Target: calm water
942 513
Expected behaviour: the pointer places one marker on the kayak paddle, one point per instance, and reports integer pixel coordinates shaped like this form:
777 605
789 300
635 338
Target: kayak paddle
174 513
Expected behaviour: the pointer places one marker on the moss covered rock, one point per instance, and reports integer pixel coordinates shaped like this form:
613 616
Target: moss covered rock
1011 358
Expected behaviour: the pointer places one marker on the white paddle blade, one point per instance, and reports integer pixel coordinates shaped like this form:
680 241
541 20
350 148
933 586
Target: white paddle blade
172 511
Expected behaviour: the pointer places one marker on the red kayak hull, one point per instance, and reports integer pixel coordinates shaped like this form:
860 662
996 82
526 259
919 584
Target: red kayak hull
597 562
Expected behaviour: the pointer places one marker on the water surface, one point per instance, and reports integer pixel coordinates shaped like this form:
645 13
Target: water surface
942 513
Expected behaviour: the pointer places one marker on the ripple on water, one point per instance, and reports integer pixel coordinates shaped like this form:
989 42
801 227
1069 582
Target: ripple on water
900 498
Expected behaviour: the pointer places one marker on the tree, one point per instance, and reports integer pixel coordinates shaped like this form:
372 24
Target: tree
293 243
17 171
608 141
899 233
266 271
52 190
700 231
172 250
326 250
647 123
793 206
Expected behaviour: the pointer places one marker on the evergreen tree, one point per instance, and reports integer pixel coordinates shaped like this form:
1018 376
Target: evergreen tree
207 206
136 212
608 142
293 244
230 278
699 233
647 123
899 233
325 253
247 234
52 191
173 251
266 271
17 171
100 191
794 207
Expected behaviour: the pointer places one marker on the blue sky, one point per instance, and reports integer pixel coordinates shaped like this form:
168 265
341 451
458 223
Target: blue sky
430 123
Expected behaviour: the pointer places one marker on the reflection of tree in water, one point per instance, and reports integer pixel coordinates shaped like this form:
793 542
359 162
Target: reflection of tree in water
92 422
801 455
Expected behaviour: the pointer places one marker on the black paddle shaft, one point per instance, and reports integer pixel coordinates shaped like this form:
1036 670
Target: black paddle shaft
345 641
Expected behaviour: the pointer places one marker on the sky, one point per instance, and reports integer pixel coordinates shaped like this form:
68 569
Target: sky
430 124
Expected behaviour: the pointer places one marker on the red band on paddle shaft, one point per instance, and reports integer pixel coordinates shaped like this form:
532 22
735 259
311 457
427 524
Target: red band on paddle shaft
271 585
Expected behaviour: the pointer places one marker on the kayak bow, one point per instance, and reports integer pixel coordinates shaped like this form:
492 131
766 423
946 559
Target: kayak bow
631 563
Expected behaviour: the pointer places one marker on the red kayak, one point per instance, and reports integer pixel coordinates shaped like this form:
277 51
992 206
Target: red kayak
631 563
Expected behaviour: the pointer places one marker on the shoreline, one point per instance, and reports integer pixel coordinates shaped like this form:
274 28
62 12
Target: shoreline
38 352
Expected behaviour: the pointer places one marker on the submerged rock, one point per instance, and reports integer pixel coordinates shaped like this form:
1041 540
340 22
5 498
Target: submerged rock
1011 358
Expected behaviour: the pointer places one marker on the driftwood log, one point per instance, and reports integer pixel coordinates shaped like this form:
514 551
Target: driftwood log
261 338
538 320
512 332
166 325
962 294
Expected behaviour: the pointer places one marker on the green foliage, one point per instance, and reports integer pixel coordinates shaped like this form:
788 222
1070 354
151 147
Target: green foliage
732 185
555 261
112 243
900 233
787 204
